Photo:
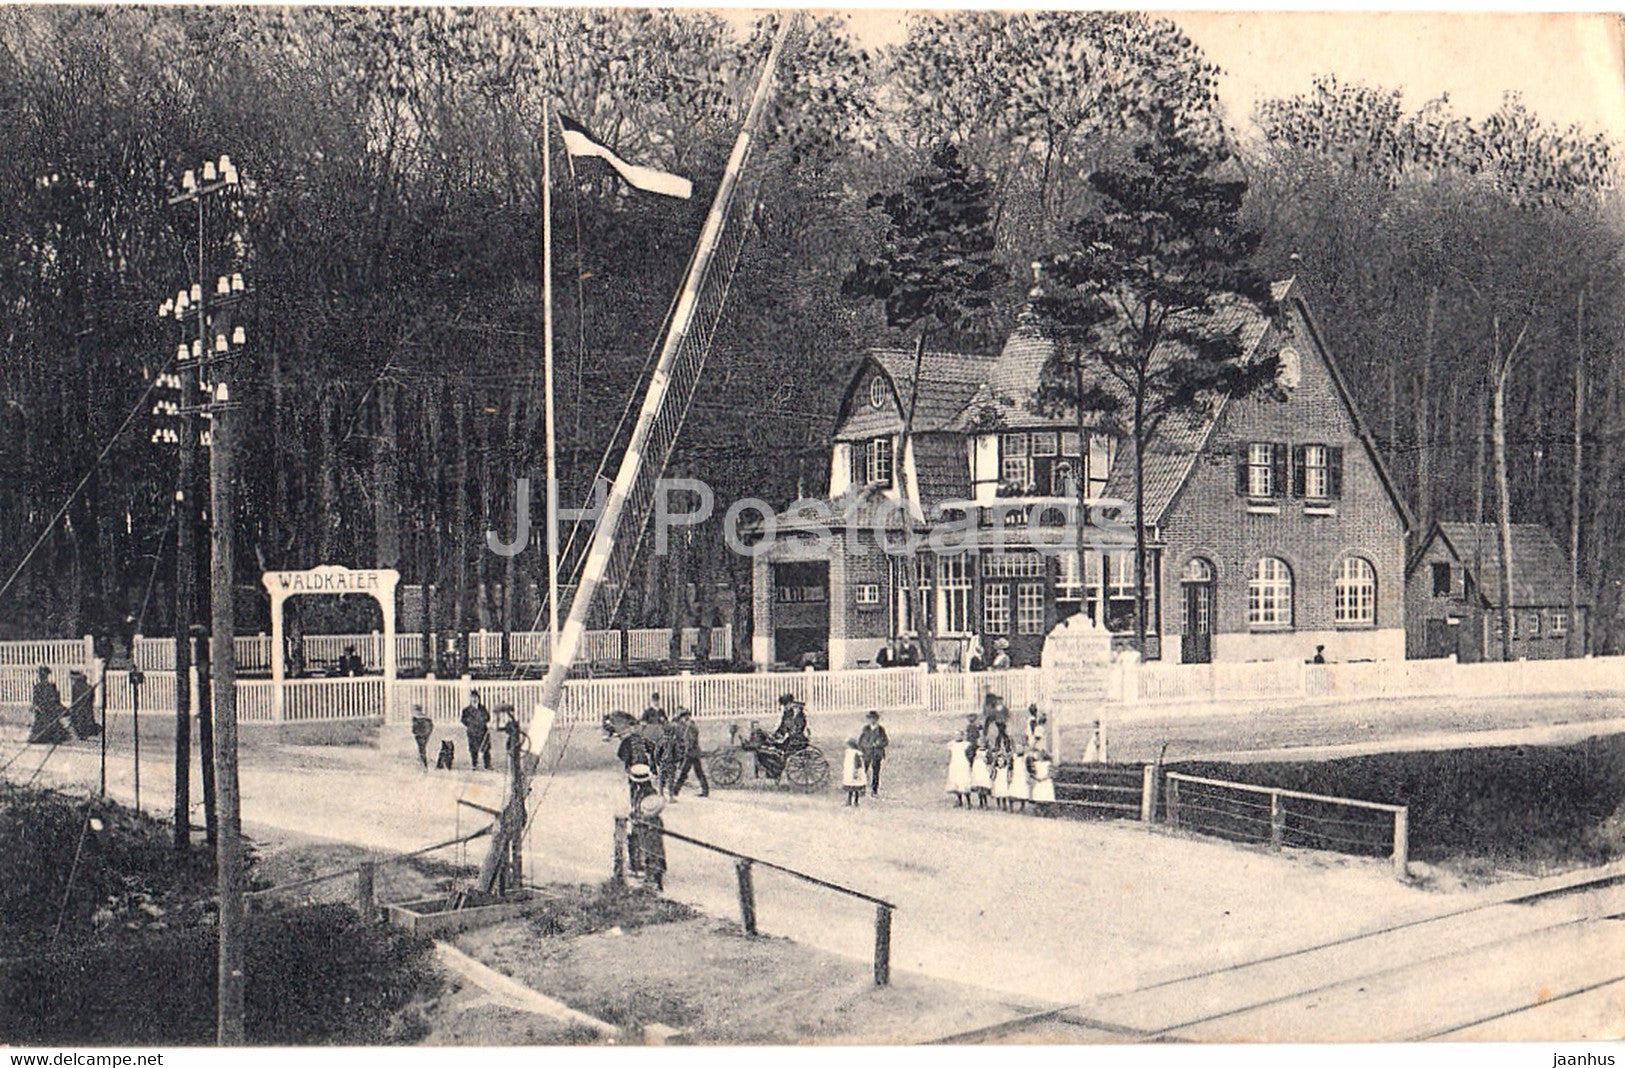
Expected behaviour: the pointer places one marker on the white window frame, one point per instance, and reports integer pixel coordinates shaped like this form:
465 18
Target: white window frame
877 392
1068 578
1354 593
996 609
1029 608
1260 469
1015 460
877 462
1013 565
1317 472
1044 443
953 594
1560 625
866 594
1269 594
1071 443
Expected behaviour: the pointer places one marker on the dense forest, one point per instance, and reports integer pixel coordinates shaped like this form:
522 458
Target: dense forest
388 223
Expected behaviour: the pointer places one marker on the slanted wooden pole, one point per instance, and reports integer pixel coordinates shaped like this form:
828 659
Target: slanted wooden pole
747 895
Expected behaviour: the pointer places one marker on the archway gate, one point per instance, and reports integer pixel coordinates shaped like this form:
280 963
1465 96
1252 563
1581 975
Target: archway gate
377 583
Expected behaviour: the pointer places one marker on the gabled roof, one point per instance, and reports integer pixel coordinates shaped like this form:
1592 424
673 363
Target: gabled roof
1540 569
948 381
1179 443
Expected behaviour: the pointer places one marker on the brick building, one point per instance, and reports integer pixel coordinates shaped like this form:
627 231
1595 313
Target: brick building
1453 595
1273 527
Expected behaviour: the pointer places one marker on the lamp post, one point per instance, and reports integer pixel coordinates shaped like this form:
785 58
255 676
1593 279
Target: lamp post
216 345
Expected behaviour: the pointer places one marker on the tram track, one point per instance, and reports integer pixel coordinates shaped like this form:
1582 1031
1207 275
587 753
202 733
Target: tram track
1445 976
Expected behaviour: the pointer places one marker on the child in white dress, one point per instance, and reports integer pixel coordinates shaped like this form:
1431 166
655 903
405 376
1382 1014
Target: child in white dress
1001 780
981 777
959 771
853 774
1020 783
1043 786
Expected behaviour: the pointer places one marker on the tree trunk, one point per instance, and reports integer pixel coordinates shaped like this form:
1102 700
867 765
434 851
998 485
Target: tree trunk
510 564
1424 421
1503 496
329 515
459 514
386 480
1604 512
1574 640
1139 524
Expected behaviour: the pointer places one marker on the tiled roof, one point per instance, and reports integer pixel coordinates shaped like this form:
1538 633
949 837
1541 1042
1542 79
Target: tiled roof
1540 570
942 468
948 380
1179 441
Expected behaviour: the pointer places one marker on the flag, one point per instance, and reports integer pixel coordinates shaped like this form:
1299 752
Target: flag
578 142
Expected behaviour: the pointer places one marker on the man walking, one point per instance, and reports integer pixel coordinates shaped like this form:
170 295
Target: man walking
477 722
688 741
872 742
422 731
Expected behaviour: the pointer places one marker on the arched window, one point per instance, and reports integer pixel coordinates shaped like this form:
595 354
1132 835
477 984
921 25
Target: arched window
878 391
1197 570
1356 593
1269 594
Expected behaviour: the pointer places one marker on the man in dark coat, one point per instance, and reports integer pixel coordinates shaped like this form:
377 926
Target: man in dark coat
872 742
48 711
688 741
477 722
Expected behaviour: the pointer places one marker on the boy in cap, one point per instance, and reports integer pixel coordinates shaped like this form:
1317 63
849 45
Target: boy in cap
422 731
872 741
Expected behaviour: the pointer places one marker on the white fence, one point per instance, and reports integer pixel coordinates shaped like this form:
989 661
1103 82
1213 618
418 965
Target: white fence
739 696
755 695
76 652
1278 680
525 648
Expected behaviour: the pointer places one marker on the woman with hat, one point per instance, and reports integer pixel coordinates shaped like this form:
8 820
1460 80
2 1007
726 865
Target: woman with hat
1001 656
640 782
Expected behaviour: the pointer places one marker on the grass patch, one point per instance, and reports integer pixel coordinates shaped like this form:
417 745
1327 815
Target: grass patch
135 962
583 910
1523 807
128 876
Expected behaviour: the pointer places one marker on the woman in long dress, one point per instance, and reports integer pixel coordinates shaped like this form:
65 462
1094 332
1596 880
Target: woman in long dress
959 772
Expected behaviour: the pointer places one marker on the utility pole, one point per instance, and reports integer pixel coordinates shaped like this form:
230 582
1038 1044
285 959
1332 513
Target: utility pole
219 405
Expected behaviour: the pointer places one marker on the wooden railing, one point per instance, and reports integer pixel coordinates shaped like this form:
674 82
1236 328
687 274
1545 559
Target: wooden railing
1245 812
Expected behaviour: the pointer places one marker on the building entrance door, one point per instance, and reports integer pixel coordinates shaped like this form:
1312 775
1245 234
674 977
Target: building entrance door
1196 640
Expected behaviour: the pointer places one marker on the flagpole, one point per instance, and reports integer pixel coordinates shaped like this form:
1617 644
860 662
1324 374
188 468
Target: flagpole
547 382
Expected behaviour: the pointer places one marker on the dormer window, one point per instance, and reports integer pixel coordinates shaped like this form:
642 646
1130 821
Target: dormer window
877 465
878 392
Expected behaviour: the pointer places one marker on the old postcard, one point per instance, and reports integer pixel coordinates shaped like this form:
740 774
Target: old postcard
564 526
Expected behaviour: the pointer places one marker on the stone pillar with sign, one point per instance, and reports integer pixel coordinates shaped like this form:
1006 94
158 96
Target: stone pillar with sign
1076 656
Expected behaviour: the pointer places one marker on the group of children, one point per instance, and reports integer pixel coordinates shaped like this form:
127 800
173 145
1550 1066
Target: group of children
985 761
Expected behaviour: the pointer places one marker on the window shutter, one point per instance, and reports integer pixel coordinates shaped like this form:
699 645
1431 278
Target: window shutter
1334 471
1278 460
1241 470
1299 478
858 473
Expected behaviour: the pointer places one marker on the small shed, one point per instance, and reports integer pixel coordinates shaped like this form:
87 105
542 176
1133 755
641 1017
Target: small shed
1453 596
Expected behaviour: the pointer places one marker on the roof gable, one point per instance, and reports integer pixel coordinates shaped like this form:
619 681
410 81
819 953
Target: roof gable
948 381
1540 569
